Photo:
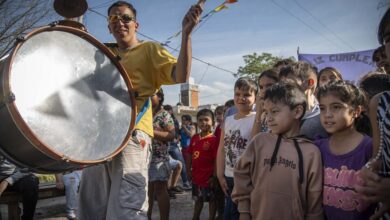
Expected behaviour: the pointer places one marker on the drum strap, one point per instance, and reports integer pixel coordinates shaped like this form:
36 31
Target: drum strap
143 110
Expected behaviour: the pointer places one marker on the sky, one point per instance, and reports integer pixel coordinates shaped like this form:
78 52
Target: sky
278 27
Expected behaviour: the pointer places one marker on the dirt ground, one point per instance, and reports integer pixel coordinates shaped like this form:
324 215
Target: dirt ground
181 208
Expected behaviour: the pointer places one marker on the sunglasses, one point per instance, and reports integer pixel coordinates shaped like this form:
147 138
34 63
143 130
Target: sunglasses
124 18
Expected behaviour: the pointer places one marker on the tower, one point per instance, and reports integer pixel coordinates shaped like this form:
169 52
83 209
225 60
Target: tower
189 93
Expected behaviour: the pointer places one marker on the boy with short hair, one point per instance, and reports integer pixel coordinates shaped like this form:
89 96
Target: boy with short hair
203 148
235 136
279 176
305 76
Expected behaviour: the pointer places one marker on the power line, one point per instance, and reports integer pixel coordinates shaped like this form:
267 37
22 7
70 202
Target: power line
303 22
204 73
319 21
202 61
217 67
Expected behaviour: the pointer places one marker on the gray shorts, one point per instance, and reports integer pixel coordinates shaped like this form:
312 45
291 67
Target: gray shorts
118 189
173 163
159 171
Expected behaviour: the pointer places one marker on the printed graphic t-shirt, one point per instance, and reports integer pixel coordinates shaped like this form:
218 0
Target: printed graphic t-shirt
236 139
160 148
340 200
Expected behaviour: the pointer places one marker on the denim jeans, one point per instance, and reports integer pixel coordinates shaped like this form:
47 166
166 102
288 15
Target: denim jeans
231 210
71 183
175 153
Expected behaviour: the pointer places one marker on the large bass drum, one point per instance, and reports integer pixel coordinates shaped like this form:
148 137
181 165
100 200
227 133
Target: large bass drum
65 101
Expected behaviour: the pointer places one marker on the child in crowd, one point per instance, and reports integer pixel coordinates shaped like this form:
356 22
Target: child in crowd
203 149
376 174
219 113
279 176
345 152
380 59
187 130
327 75
176 167
219 195
371 84
159 169
235 136
265 80
279 65
374 83
303 74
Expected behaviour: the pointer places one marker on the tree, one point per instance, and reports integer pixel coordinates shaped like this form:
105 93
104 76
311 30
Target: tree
18 17
255 64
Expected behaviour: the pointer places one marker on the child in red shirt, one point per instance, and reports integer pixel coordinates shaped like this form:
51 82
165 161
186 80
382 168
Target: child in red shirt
203 148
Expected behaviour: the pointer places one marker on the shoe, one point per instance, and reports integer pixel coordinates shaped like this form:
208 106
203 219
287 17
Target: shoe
71 216
171 194
176 190
187 186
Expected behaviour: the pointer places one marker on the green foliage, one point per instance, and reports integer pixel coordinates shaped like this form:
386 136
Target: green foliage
255 64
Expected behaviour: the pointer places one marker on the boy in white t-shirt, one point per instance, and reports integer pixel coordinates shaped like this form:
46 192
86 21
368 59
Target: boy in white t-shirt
235 135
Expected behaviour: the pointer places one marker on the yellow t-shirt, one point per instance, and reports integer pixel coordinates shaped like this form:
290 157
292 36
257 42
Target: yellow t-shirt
149 66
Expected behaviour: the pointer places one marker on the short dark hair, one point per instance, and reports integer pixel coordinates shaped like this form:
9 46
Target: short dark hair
186 117
281 64
385 21
206 112
229 103
168 108
302 71
246 83
122 3
374 83
160 94
286 93
219 108
270 74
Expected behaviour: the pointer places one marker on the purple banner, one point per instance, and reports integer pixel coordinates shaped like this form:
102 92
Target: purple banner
351 65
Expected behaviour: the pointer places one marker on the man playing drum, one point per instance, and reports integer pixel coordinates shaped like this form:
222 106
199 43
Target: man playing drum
118 189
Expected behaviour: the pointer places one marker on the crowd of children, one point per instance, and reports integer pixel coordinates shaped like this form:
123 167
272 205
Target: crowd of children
298 143
262 157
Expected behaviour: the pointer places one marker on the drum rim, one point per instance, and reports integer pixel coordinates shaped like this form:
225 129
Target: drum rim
22 125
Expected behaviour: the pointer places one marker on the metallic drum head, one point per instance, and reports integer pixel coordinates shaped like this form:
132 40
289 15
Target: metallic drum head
71 96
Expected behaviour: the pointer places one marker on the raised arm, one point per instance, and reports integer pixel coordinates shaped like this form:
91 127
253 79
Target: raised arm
182 71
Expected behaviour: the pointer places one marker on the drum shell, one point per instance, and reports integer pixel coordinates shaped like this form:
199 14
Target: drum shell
21 146
14 143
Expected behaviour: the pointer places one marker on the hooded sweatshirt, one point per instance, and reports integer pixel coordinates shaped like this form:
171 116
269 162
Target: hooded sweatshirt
291 189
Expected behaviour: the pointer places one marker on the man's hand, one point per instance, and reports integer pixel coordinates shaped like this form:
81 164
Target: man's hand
3 186
192 18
